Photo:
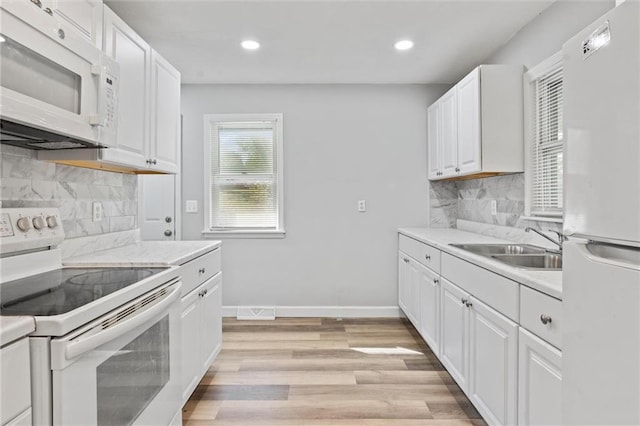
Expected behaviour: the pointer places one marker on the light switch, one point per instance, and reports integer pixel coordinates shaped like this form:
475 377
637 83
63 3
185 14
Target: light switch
191 206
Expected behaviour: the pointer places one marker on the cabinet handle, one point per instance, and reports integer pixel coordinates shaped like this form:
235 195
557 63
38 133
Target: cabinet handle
48 10
464 301
468 304
406 260
426 256
202 270
545 319
457 169
435 281
154 161
37 3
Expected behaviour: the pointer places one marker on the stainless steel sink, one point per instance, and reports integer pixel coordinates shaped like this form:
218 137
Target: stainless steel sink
517 255
491 249
548 261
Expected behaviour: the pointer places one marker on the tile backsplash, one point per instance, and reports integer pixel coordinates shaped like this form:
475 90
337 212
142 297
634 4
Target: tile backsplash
470 201
27 182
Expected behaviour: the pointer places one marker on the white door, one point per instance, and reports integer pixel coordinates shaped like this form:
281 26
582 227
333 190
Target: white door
134 57
190 321
469 131
455 329
165 115
449 133
539 382
429 283
433 141
157 215
493 364
403 282
211 320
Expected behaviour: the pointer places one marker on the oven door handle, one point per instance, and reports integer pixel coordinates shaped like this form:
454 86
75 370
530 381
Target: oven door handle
78 346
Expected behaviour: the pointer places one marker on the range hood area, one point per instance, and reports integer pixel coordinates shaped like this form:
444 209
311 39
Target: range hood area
23 136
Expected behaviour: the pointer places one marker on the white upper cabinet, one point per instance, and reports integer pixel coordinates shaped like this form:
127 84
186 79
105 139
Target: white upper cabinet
83 17
134 57
478 125
149 102
165 115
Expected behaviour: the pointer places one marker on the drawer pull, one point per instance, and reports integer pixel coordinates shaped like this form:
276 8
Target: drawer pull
426 256
468 304
545 319
464 301
202 270
435 281
406 260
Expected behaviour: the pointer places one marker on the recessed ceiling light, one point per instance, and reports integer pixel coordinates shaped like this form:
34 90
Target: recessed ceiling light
250 45
403 45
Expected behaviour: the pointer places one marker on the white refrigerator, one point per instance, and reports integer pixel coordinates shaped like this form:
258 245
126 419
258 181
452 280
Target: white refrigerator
601 272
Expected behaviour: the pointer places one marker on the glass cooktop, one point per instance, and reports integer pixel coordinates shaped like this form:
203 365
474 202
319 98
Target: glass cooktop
63 290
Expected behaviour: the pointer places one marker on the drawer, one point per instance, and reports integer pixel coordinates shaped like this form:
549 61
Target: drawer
501 293
534 305
199 270
423 253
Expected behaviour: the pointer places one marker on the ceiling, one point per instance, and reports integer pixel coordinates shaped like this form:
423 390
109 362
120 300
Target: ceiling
329 41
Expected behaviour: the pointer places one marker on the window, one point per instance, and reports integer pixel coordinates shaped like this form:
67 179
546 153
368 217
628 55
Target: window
244 179
544 139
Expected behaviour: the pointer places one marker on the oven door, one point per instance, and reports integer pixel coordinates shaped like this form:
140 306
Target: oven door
54 80
123 368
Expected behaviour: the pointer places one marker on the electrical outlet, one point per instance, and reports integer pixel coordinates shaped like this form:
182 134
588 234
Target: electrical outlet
191 206
362 206
494 207
97 211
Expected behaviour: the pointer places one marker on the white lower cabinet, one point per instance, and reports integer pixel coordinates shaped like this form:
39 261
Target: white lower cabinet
540 382
201 332
15 388
409 290
493 363
479 348
429 306
454 338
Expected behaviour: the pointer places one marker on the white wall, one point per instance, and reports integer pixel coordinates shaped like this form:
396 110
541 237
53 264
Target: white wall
342 143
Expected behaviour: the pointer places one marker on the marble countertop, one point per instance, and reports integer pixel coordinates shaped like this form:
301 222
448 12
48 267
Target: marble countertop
548 282
148 253
14 328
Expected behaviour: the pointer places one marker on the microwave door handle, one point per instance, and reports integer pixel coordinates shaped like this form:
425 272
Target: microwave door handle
80 345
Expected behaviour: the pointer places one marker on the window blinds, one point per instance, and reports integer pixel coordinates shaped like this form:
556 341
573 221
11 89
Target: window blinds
547 141
244 176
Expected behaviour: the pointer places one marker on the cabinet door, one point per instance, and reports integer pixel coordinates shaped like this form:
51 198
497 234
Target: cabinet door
433 142
211 321
540 382
84 16
493 364
403 282
448 136
134 57
190 343
165 115
413 294
429 283
469 131
454 331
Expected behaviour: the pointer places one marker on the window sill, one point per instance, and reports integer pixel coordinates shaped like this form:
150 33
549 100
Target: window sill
543 219
243 234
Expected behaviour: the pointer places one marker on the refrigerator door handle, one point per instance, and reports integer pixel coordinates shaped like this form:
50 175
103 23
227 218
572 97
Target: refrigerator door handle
611 255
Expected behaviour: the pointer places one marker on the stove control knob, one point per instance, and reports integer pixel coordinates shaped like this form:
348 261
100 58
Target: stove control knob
39 222
24 224
52 222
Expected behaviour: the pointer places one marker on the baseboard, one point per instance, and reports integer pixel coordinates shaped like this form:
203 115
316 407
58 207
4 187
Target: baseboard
327 311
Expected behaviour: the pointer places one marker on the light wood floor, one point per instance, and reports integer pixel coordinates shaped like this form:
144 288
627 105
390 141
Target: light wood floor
323 371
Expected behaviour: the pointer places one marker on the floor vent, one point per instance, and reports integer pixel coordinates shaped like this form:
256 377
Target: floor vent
256 313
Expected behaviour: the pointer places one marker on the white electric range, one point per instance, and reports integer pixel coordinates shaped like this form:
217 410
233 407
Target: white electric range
106 349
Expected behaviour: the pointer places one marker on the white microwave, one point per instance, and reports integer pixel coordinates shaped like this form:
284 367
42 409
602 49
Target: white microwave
57 91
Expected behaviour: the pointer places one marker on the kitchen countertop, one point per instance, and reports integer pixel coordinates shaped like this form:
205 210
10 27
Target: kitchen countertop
548 282
148 253
14 328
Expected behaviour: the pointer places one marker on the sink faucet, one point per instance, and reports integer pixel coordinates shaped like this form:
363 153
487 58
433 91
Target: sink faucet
561 236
